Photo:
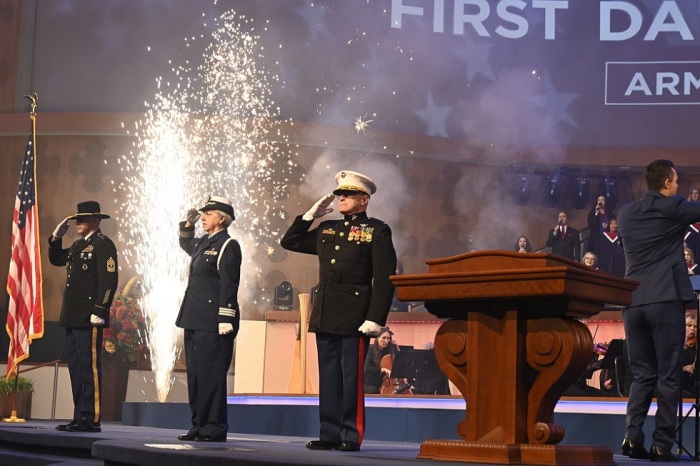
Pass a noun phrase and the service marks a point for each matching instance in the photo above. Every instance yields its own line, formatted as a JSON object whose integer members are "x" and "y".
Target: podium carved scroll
{"x": 512, "y": 344}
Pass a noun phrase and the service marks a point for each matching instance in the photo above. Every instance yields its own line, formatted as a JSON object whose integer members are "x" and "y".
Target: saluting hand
{"x": 320, "y": 208}
{"x": 61, "y": 229}
{"x": 192, "y": 216}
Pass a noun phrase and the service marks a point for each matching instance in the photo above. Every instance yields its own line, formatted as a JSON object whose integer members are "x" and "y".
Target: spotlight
{"x": 552, "y": 190}
{"x": 608, "y": 188}
{"x": 284, "y": 296}
{"x": 580, "y": 192}
{"x": 520, "y": 188}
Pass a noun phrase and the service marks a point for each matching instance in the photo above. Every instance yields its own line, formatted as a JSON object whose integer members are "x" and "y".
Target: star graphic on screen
{"x": 556, "y": 104}
{"x": 477, "y": 58}
{"x": 434, "y": 117}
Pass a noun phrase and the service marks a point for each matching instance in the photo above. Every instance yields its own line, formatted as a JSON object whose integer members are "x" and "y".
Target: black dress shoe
{"x": 85, "y": 425}
{"x": 349, "y": 446}
{"x": 210, "y": 438}
{"x": 65, "y": 427}
{"x": 659, "y": 454}
{"x": 322, "y": 445}
{"x": 634, "y": 450}
{"x": 187, "y": 436}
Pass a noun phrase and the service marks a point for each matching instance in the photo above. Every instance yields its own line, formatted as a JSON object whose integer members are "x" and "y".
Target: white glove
{"x": 320, "y": 208}
{"x": 369, "y": 328}
{"x": 225, "y": 328}
{"x": 61, "y": 229}
{"x": 96, "y": 320}
{"x": 192, "y": 216}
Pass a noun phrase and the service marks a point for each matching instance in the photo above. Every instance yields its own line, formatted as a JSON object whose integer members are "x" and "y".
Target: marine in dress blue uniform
{"x": 356, "y": 257}
{"x": 651, "y": 230}
{"x": 90, "y": 286}
{"x": 210, "y": 316}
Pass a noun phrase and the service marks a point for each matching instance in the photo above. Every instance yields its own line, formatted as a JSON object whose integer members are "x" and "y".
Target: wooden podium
{"x": 512, "y": 346}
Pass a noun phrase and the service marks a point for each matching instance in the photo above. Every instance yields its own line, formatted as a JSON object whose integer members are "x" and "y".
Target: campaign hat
{"x": 88, "y": 209}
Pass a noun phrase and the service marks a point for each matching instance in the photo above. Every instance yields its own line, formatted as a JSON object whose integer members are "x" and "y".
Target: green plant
{"x": 24, "y": 385}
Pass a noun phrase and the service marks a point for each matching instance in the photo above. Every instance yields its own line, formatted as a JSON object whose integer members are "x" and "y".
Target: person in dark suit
{"x": 651, "y": 230}
{"x": 90, "y": 287}
{"x": 210, "y": 316}
{"x": 356, "y": 257}
{"x": 564, "y": 240}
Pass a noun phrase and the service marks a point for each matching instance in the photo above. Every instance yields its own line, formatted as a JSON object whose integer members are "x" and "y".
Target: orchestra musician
{"x": 377, "y": 373}
{"x": 690, "y": 353}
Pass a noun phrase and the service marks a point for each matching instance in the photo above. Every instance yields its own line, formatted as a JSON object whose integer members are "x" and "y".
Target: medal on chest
{"x": 361, "y": 233}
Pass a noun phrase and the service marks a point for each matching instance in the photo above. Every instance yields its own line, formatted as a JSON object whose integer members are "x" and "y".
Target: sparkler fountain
{"x": 207, "y": 133}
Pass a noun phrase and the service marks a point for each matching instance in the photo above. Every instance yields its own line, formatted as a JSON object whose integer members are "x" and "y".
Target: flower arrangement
{"x": 126, "y": 335}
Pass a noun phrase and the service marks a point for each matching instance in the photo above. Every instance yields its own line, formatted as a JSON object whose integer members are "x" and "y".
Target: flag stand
{"x": 13, "y": 417}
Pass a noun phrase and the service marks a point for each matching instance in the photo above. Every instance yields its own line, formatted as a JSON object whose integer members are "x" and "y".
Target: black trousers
{"x": 341, "y": 397}
{"x": 208, "y": 358}
{"x": 655, "y": 336}
{"x": 84, "y": 357}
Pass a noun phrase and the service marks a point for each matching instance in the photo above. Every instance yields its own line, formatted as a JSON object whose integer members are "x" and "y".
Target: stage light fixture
{"x": 552, "y": 190}
{"x": 520, "y": 188}
{"x": 284, "y": 296}
{"x": 608, "y": 188}
{"x": 580, "y": 193}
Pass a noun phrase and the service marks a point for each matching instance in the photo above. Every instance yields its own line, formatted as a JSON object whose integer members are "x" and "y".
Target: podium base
{"x": 522, "y": 453}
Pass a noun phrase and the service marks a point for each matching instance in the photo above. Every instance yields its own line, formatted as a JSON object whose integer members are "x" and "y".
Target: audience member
{"x": 598, "y": 222}
{"x": 611, "y": 257}
{"x": 523, "y": 245}
{"x": 694, "y": 195}
{"x": 564, "y": 240}
{"x": 690, "y": 260}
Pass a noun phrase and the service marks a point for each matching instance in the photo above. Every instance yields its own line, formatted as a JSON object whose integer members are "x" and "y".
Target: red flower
{"x": 127, "y": 328}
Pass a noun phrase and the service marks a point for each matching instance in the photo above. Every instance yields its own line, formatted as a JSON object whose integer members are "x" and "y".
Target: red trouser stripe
{"x": 361, "y": 388}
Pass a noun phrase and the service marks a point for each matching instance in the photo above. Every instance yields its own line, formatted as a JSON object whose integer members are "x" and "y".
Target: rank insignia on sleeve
{"x": 111, "y": 265}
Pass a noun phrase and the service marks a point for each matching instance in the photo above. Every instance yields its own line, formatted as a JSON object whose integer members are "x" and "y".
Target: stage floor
{"x": 37, "y": 442}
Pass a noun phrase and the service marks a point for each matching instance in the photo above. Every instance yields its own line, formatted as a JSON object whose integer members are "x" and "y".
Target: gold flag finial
{"x": 34, "y": 99}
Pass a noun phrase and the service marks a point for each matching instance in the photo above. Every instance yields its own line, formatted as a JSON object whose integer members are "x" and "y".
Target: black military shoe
{"x": 85, "y": 425}
{"x": 322, "y": 445}
{"x": 349, "y": 446}
{"x": 634, "y": 450}
{"x": 659, "y": 454}
{"x": 186, "y": 436}
{"x": 65, "y": 427}
{"x": 210, "y": 438}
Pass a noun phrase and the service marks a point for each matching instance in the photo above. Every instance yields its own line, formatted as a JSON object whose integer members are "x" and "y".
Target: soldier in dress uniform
{"x": 210, "y": 316}
{"x": 356, "y": 257}
{"x": 90, "y": 287}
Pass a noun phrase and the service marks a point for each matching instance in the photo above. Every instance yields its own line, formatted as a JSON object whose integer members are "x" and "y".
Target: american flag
{"x": 25, "y": 317}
